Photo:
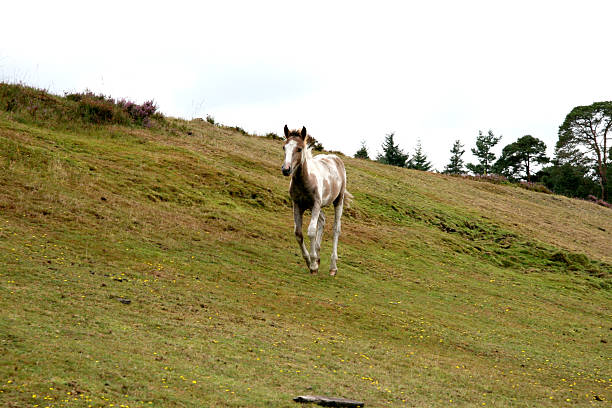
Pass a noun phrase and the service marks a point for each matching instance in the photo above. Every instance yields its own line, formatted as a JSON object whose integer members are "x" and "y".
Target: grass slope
{"x": 450, "y": 292}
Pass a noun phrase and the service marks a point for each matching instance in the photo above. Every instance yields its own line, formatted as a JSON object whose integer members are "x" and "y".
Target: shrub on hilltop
{"x": 105, "y": 109}
{"x": 28, "y": 104}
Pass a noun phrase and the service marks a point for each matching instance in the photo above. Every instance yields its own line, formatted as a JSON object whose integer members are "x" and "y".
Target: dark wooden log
{"x": 328, "y": 401}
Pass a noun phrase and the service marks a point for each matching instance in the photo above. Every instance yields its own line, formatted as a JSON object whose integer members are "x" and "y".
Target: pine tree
{"x": 484, "y": 144}
{"x": 584, "y": 134}
{"x": 455, "y": 166}
{"x": 391, "y": 153}
{"x": 362, "y": 153}
{"x": 419, "y": 159}
{"x": 519, "y": 157}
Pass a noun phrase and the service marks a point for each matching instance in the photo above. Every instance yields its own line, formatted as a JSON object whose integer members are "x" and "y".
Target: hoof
{"x": 332, "y": 272}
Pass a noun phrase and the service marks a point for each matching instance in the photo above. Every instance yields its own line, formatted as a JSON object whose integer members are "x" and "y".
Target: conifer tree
{"x": 391, "y": 153}
{"x": 455, "y": 166}
{"x": 585, "y": 134}
{"x": 520, "y": 157}
{"x": 419, "y": 159}
{"x": 484, "y": 144}
{"x": 362, "y": 153}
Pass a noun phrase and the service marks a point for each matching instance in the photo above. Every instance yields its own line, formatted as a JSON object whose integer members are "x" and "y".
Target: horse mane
{"x": 307, "y": 152}
{"x": 294, "y": 133}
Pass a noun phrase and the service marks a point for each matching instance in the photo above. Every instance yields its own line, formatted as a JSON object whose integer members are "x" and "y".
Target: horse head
{"x": 295, "y": 143}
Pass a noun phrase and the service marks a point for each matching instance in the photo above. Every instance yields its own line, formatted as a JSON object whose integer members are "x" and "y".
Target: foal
{"x": 315, "y": 182}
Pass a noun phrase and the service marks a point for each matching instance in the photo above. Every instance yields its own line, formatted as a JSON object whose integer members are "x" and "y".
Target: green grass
{"x": 450, "y": 292}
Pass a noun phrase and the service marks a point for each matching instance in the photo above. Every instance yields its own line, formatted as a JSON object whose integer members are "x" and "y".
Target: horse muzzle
{"x": 286, "y": 170}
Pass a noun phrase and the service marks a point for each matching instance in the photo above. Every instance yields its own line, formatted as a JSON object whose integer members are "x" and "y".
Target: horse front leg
{"x": 312, "y": 234}
{"x": 297, "y": 219}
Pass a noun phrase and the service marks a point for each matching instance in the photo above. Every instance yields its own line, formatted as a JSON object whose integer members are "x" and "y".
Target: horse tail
{"x": 348, "y": 198}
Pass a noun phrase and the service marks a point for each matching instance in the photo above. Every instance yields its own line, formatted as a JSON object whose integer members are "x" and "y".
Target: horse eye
{"x": 299, "y": 149}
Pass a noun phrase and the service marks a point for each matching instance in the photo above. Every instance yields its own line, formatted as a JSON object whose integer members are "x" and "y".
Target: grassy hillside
{"x": 449, "y": 292}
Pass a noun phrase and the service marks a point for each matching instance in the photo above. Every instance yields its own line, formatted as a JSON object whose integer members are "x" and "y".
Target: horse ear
{"x": 286, "y": 131}
{"x": 303, "y": 133}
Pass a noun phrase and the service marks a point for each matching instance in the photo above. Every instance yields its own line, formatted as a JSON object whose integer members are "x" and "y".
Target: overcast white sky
{"x": 348, "y": 71}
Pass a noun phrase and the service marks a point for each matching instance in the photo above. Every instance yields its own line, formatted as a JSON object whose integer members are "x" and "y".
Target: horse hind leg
{"x": 320, "y": 229}
{"x": 333, "y": 268}
{"x": 312, "y": 234}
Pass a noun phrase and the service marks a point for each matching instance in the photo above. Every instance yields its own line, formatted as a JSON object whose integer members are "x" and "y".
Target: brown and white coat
{"x": 316, "y": 182}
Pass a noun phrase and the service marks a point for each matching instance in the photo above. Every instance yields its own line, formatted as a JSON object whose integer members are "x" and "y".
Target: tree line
{"x": 393, "y": 155}
{"x": 581, "y": 165}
